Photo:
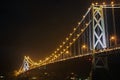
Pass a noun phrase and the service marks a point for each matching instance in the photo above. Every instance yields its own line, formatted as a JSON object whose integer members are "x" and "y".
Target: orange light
{"x": 103, "y": 3}
{"x": 70, "y": 43}
{"x": 67, "y": 46}
{"x": 61, "y": 52}
{"x": 112, "y": 38}
{"x": 74, "y": 39}
{"x": 93, "y": 4}
{"x": 96, "y": 3}
{"x": 70, "y": 34}
{"x": 78, "y": 23}
{"x": 112, "y": 2}
{"x": 63, "y": 42}
{"x": 88, "y": 8}
{"x": 63, "y": 49}
{"x": 86, "y": 24}
{"x": 82, "y": 30}
{"x": 40, "y": 61}
{"x": 60, "y": 46}
{"x": 67, "y": 38}
{"x": 67, "y": 52}
{"x": 84, "y": 46}
{"x": 57, "y": 49}
{"x": 83, "y": 16}
{"x": 74, "y": 29}
{"x": 78, "y": 35}
{"x": 55, "y": 56}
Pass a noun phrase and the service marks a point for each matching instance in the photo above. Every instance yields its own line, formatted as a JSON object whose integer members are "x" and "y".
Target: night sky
{"x": 35, "y": 28}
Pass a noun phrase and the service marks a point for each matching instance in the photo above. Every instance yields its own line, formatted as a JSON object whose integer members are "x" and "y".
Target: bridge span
{"x": 88, "y": 48}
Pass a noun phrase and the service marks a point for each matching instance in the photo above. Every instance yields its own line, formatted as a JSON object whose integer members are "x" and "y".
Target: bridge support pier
{"x": 100, "y": 62}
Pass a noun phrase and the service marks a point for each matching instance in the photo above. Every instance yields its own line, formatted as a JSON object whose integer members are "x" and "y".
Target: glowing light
{"x": 58, "y": 54}
{"x": 70, "y": 34}
{"x": 103, "y": 3}
{"x": 82, "y": 30}
{"x": 112, "y": 3}
{"x": 34, "y": 78}
{"x": 89, "y": 59}
{"x": 112, "y": 38}
{"x": 70, "y": 43}
{"x": 67, "y": 38}
{"x": 60, "y": 46}
{"x": 84, "y": 46}
{"x": 88, "y": 8}
{"x": 45, "y": 73}
{"x": 78, "y": 23}
{"x": 63, "y": 42}
{"x": 74, "y": 29}
{"x": 96, "y": 3}
{"x": 1, "y": 76}
{"x": 63, "y": 49}
{"x": 78, "y": 35}
{"x": 35, "y": 63}
{"x": 74, "y": 39}
{"x": 55, "y": 56}
{"x": 25, "y": 57}
{"x": 46, "y": 58}
{"x": 67, "y": 52}
{"x": 57, "y": 49}
{"x": 40, "y": 61}
{"x": 83, "y": 16}
{"x": 72, "y": 73}
{"x": 67, "y": 46}
{"x": 86, "y": 24}
{"x": 61, "y": 52}
{"x": 92, "y": 4}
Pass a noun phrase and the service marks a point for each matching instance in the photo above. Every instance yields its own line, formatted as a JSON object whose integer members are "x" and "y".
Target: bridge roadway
{"x": 78, "y": 66}
{"x": 61, "y": 70}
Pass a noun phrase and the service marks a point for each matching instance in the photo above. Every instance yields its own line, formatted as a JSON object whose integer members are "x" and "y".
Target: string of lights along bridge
{"x": 91, "y": 36}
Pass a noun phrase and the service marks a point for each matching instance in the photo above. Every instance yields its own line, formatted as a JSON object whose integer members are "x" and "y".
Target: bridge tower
{"x": 25, "y": 64}
{"x": 98, "y": 37}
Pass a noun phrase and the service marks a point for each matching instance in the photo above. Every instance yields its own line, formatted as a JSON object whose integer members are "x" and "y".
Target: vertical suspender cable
{"x": 106, "y": 28}
{"x": 114, "y": 27}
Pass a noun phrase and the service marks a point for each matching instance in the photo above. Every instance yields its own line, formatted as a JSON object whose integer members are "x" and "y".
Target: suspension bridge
{"x": 91, "y": 37}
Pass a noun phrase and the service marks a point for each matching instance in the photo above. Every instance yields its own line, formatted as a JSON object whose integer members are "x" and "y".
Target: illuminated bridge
{"x": 94, "y": 38}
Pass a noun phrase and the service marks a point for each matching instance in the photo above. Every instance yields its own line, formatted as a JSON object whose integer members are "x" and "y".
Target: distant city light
{"x": 1, "y": 77}
{"x": 34, "y": 78}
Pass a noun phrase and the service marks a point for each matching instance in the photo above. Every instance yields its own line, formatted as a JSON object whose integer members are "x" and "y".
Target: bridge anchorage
{"x": 90, "y": 37}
